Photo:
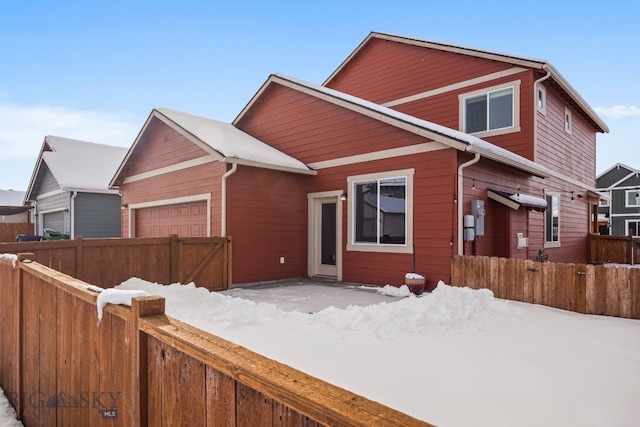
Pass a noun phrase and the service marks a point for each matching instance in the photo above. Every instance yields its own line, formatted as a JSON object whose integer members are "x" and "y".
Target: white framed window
{"x": 552, "y": 220}
{"x": 541, "y": 99}
{"x": 603, "y": 203}
{"x": 568, "y": 126}
{"x": 632, "y": 198}
{"x": 491, "y": 111}
{"x": 380, "y": 212}
{"x": 632, "y": 227}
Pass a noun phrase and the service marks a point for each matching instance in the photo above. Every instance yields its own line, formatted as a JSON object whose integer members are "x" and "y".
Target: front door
{"x": 325, "y": 235}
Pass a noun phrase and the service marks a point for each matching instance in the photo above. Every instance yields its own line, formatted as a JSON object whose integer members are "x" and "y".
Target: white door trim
{"x": 313, "y": 258}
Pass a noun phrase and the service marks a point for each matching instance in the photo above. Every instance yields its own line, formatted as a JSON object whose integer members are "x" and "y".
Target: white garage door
{"x": 185, "y": 220}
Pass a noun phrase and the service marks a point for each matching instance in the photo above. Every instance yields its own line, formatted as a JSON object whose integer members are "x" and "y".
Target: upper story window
{"x": 552, "y": 220}
{"x": 632, "y": 198}
{"x": 381, "y": 212}
{"x": 491, "y": 111}
{"x": 541, "y": 100}
{"x": 567, "y": 120}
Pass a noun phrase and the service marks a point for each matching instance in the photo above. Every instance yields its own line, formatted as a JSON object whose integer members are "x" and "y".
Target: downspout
{"x": 73, "y": 214}
{"x": 223, "y": 202}
{"x": 535, "y": 109}
{"x": 460, "y": 199}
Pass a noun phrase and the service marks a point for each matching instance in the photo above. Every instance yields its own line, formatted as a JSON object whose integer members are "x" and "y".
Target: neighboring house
{"x": 373, "y": 172}
{"x": 12, "y": 207}
{"x": 70, "y": 190}
{"x": 621, "y": 209}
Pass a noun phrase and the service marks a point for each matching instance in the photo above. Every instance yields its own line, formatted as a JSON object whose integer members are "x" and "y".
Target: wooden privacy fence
{"x": 9, "y": 230}
{"x": 613, "y": 249}
{"x": 108, "y": 262}
{"x": 139, "y": 367}
{"x": 588, "y": 289}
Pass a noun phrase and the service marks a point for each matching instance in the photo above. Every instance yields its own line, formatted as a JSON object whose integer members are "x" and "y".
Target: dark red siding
{"x": 267, "y": 219}
{"x": 162, "y": 146}
{"x": 387, "y": 71}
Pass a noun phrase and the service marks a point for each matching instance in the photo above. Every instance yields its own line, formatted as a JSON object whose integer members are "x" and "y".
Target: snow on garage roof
{"x": 232, "y": 144}
{"x": 78, "y": 165}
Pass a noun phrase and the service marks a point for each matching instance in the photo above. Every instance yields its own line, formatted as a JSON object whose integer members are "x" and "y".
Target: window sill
{"x": 396, "y": 249}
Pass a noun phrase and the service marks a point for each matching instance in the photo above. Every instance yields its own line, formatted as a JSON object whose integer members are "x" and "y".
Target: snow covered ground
{"x": 454, "y": 357}
{"x": 7, "y": 413}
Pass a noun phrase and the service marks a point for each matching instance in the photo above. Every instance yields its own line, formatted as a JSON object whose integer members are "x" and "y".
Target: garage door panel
{"x": 186, "y": 220}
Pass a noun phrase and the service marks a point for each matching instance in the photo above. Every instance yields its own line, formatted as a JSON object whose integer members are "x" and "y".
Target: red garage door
{"x": 185, "y": 220}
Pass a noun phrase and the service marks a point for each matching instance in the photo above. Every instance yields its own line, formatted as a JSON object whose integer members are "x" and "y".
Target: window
{"x": 632, "y": 227}
{"x": 380, "y": 212}
{"x": 632, "y": 198}
{"x": 491, "y": 111}
{"x": 552, "y": 220}
{"x": 541, "y": 100}
{"x": 567, "y": 120}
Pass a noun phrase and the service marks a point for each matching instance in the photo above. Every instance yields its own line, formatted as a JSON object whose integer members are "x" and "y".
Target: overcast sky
{"x": 95, "y": 70}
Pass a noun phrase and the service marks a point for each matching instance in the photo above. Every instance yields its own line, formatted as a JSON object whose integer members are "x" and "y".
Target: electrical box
{"x": 468, "y": 221}
{"x": 478, "y": 212}
{"x": 469, "y": 235}
{"x": 523, "y": 242}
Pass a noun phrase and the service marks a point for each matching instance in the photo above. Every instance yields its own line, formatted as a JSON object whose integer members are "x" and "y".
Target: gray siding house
{"x": 69, "y": 188}
{"x": 622, "y": 212}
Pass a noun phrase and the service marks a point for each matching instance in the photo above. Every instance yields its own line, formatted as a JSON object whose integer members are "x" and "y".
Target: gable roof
{"x": 77, "y": 165}
{"x": 447, "y": 136}
{"x": 222, "y": 140}
{"x": 619, "y": 174}
{"x": 537, "y": 64}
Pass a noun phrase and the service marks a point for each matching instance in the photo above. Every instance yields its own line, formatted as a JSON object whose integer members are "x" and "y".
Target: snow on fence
{"x": 139, "y": 367}
{"x": 109, "y": 262}
{"x": 583, "y": 288}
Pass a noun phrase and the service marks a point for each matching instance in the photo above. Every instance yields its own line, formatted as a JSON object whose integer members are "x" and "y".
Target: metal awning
{"x": 13, "y": 210}
{"x": 516, "y": 200}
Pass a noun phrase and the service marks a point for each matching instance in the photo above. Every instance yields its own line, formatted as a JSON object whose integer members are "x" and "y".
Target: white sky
{"x": 94, "y": 70}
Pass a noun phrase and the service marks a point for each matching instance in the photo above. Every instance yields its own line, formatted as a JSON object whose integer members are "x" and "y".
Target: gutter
{"x": 223, "y": 201}
{"x": 461, "y": 168}
{"x": 73, "y": 214}
{"x": 535, "y": 109}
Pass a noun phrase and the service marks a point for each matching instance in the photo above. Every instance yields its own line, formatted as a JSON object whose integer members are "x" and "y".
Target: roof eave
{"x": 539, "y": 64}
{"x": 269, "y": 166}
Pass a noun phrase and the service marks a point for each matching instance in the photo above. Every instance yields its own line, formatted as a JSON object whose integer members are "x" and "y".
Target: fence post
{"x": 79, "y": 266}
{"x": 19, "y": 356}
{"x": 141, "y": 307}
{"x": 174, "y": 258}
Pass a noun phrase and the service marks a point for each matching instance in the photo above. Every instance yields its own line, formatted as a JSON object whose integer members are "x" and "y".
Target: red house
{"x": 410, "y": 152}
